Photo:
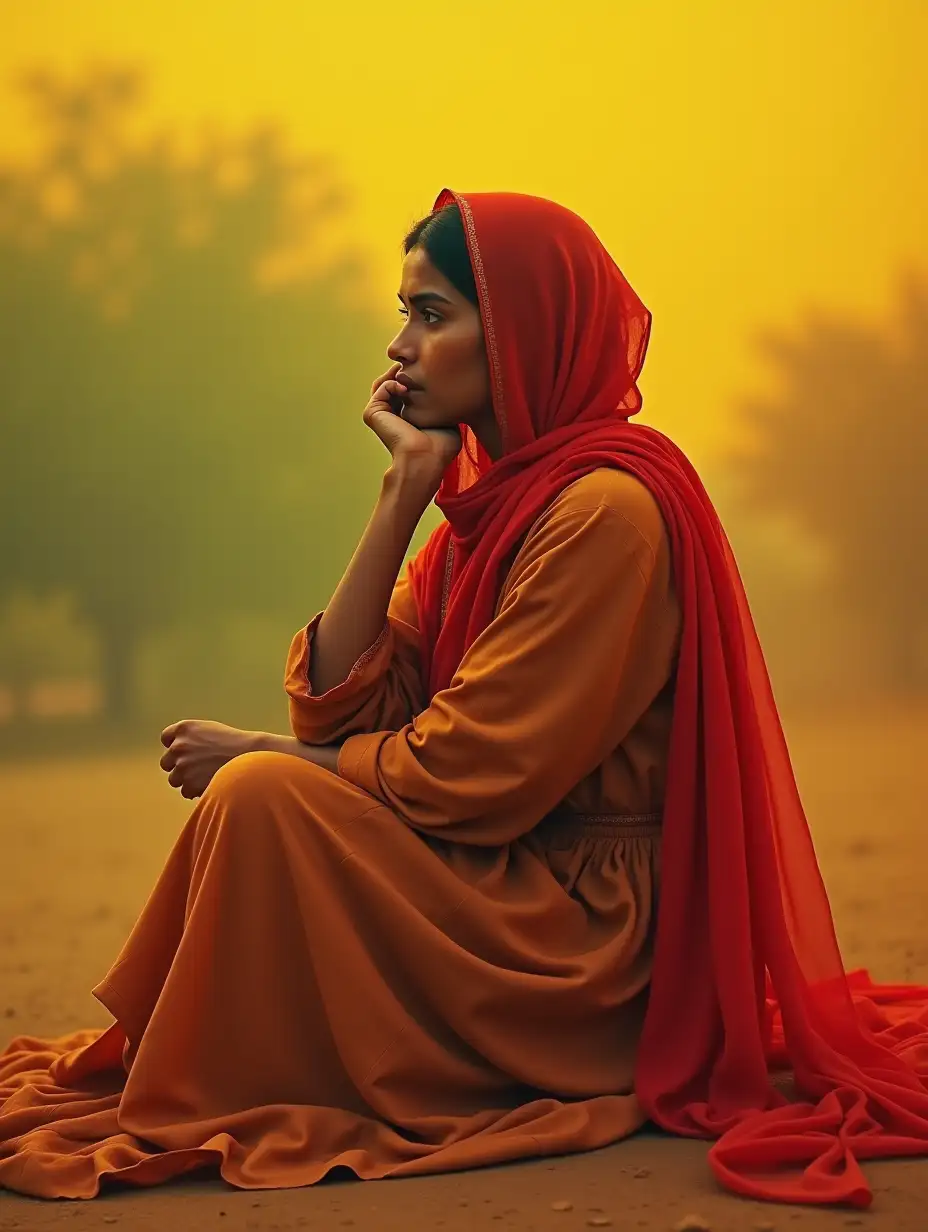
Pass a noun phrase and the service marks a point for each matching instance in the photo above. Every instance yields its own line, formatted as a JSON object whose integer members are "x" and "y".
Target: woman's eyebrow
{"x": 425, "y": 297}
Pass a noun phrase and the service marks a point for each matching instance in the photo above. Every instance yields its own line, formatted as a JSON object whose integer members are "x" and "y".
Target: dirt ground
{"x": 81, "y": 843}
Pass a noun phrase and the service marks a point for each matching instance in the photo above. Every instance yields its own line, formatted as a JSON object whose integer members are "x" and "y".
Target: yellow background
{"x": 743, "y": 162}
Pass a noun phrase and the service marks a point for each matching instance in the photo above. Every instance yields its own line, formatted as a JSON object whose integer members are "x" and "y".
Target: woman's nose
{"x": 400, "y": 350}
{"x": 396, "y": 351}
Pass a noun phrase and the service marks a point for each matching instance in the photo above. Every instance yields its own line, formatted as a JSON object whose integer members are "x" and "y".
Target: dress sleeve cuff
{"x": 357, "y": 760}
{"x": 298, "y": 685}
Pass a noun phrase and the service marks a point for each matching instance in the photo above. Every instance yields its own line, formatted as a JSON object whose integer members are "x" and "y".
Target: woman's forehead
{"x": 419, "y": 276}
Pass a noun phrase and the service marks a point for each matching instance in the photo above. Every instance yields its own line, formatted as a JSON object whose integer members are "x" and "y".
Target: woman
{"x": 425, "y": 934}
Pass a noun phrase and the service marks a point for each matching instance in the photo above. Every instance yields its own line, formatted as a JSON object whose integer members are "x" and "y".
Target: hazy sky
{"x": 743, "y": 161}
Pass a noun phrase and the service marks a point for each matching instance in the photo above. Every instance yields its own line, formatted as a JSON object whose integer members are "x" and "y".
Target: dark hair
{"x": 442, "y": 236}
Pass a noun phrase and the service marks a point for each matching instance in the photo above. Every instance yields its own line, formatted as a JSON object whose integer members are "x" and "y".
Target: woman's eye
{"x": 426, "y": 312}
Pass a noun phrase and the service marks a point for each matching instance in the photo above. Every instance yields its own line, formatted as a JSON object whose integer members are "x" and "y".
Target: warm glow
{"x": 743, "y": 162}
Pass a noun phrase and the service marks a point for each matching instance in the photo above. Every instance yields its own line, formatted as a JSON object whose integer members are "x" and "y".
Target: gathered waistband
{"x": 571, "y": 825}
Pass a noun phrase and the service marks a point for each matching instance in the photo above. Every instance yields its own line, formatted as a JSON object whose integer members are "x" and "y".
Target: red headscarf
{"x": 747, "y": 976}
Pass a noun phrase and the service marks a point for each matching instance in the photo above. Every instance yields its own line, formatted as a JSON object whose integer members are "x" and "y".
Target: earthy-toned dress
{"x": 438, "y": 958}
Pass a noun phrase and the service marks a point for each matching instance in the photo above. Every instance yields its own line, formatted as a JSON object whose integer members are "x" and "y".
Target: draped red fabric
{"x": 748, "y": 979}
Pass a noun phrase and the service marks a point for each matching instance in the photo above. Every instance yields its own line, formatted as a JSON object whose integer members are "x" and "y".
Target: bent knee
{"x": 258, "y": 778}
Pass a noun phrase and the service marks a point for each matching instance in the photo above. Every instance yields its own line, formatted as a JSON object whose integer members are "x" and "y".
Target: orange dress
{"x": 436, "y": 959}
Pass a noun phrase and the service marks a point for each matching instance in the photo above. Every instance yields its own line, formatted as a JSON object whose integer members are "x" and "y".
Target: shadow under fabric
{"x": 748, "y": 977}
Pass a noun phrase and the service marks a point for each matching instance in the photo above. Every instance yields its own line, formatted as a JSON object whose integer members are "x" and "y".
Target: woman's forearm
{"x": 324, "y": 755}
{"x": 356, "y": 613}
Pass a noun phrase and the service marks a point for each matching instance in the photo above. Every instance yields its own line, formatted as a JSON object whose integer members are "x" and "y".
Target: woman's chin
{"x": 418, "y": 415}
{"x": 428, "y": 415}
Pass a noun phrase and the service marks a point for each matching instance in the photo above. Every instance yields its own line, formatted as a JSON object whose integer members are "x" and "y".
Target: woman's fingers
{"x": 382, "y": 399}
{"x": 170, "y": 732}
{"x": 388, "y": 375}
{"x": 390, "y": 427}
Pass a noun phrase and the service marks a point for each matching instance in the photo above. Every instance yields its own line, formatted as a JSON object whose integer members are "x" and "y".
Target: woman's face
{"x": 441, "y": 348}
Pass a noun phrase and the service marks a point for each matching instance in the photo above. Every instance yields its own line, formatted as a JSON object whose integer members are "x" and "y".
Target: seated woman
{"x": 533, "y": 868}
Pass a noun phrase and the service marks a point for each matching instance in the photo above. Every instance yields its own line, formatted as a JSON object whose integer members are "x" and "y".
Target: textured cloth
{"x": 745, "y": 936}
{"x": 326, "y": 973}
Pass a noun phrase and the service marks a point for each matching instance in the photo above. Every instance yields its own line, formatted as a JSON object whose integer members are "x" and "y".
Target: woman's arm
{"x": 383, "y": 689}
{"x": 583, "y": 642}
{"x": 357, "y": 611}
{"x": 324, "y": 755}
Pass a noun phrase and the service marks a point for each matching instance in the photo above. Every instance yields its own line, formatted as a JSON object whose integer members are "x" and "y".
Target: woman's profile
{"x": 532, "y": 869}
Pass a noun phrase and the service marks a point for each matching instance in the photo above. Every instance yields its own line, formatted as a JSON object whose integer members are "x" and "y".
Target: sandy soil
{"x": 82, "y": 842}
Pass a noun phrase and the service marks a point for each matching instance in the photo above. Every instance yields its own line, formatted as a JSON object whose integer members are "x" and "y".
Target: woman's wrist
{"x": 408, "y": 492}
{"x": 324, "y": 755}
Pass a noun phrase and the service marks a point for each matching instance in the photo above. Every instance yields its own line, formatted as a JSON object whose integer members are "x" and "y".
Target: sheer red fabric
{"x": 748, "y": 979}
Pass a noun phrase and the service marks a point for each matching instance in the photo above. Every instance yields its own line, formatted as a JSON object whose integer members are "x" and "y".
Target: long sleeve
{"x": 583, "y": 641}
{"x": 382, "y": 691}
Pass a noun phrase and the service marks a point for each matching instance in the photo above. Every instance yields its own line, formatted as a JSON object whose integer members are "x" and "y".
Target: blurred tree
{"x": 841, "y": 452}
{"x": 38, "y": 637}
{"x": 175, "y": 332}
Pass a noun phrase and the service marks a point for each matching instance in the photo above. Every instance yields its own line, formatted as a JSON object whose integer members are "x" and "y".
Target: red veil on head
{"x": 747, "y": 978}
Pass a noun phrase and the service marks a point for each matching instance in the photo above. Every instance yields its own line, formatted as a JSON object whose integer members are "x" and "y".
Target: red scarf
{"x": 747, "y": 977}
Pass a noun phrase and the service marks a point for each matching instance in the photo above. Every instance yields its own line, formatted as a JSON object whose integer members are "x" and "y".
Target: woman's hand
{"x": 420, "y": 455}
{"x": 197, "y": 748}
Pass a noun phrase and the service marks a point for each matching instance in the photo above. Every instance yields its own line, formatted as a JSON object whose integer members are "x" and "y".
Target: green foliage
{"x": 180, "y": 439}
{"x": 43, "y": 635}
